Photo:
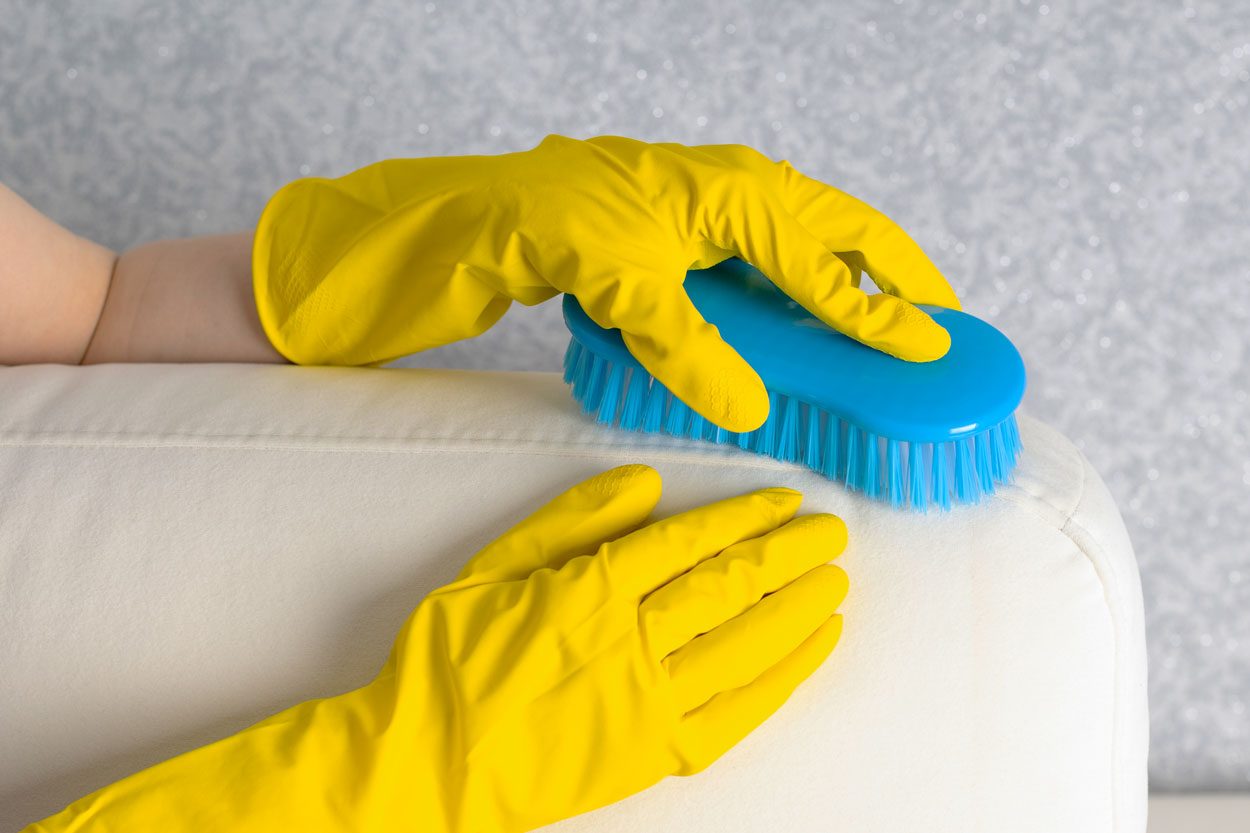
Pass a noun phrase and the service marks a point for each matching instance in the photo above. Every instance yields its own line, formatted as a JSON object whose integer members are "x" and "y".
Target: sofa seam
{"x": 696, "y": 453}
{"x": 1070, "y": 526}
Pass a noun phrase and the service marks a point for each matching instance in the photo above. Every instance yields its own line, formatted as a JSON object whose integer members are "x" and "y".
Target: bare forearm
{"x": 186, "y": 300}
{"x": 67, "y": 300}
{"x": 52, "y": 286}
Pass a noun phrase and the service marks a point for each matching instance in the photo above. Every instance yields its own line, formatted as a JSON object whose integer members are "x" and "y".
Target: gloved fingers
{"x": 663, "y": 330}
{"x": 756, "y": 223}
{"x": 894, "y": 261}
{"x": 712, "y": 729}
{"x": 726, "y": 585}
{"x": 854, "y": 264}
{"x": 735, "y": 653}
{"x": 845, "y": 225}
{"x": 656, "y": 554}
{"x": 882, "y": 321}
{"x": 576, "y": 522}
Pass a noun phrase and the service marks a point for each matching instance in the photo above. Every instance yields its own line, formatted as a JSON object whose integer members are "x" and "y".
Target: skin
{"x": 71, "y": 301}
{"x": 53, "y": 284}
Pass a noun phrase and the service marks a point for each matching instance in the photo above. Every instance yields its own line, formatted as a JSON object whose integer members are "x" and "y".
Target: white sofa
{"x": 186, "y": 549}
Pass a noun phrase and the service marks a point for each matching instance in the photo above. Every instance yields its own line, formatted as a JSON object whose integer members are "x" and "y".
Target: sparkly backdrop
{"x": 1081, "y": 173}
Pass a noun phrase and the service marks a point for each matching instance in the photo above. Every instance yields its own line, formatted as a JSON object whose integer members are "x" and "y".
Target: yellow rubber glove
{"x": 556, "y": 674}
{"x": 409, "y": 254}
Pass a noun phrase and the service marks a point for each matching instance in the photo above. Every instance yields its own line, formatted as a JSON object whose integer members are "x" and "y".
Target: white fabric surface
{"x": 186, "y": 549}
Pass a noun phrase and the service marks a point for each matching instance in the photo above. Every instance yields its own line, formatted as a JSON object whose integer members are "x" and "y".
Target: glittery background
{"x": 1080, "y": 172}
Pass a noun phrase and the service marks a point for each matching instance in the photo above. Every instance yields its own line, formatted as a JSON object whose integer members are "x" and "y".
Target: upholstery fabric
{"x": 186, "y": 549}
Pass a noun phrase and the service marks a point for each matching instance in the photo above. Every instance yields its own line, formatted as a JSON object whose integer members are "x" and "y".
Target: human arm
{"x": 52, "y": 286}
{"x": 182, "y": 300}
{"x": 577, "y": 659}
{"x": 67, "y": 300}
{"x": 407, "y": 254}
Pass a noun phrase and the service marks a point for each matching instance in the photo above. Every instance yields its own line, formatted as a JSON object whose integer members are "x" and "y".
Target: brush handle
{"x": 978, "y": 384}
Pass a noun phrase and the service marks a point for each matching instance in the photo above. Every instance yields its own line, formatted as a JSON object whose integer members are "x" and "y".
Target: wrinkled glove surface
{"x": 558, "y": 673}
{"x": 408, "y": 254}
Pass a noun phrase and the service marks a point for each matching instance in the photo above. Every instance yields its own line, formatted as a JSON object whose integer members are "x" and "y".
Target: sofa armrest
{"x": 186, "y": 549}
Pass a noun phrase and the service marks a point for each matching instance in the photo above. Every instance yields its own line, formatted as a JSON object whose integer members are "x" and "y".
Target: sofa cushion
{"x": 186, "y": 549}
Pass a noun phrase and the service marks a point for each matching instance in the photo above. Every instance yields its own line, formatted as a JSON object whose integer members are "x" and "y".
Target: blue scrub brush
{"x": 912, "y": 433}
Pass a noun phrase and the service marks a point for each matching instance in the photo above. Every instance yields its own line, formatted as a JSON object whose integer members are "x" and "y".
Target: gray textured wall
{"x": 1082, "y": 175}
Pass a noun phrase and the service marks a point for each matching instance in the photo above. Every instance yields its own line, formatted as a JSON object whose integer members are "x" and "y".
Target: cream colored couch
{"x": 185, "y": 549}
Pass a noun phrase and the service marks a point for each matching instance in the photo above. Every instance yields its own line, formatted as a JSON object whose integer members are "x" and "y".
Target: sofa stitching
{"x": 697, "y": 452}
{"x": 1072, "y": 528}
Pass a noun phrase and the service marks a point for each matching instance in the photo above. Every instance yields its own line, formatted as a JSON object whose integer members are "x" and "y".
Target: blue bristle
{"x": 965, "y": 473}
{"x": 998, "y": 455}
{"x": 678, "y": 417}
{"x": 894, "y": 474}
{"x": 765, "y": 440}
{"x": 581, "y": 373}
{"x": 653, "y": 411}
{"x": 941, "y": 494}
{"x": 571, "y": 357}
{"x": 613, "y": 387}
{"x": 872, "y": 453}
{"x": 1011, "y": 439}
{"x": 635, "y": 399}
{"x": 985, "y": 458}
{"x": 852, "y": 457}
{"x": 811, "y": 439}
{"x": 916, "y": 471}
{"x": 593, "y": 390}
{"x": 961, "y": 470}
{"x": 788, "y": 435}
{"x": 695, "y": 426}
{"x": 1000, "y": 462}
{"x": 830, "y": 457}
{"x": 1009, "y": 452}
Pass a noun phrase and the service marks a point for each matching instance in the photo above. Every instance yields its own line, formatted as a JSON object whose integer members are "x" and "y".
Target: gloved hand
{"x": 408, "y": 254}
{"x": 556, "y": 674}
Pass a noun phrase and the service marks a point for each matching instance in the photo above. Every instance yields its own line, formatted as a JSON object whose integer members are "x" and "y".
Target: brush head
{"x": 842, "y": 408}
